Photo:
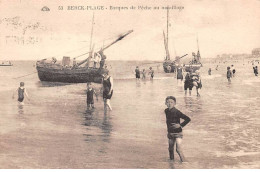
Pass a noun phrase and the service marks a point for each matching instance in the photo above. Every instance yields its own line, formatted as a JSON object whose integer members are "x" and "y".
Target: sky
{"x": 221, "y": 26}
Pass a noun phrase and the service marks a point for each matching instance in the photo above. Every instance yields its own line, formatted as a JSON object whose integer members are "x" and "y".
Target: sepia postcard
{"x": 129, "y": 84}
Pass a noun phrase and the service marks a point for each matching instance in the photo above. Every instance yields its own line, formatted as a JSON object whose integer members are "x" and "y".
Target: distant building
{"x": 256, "y": 52}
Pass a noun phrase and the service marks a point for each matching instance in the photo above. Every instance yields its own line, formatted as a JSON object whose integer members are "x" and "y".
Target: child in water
{"x": 229, "y": 74}
{"x": 21, "y": 92}
{"x": 174, "y": 127}
{"x": 144, "y": 74}
{"x": 151, "y": 73}
{"x": 197, "y": 81}
{"x": 209, "y": 71}
{"x": 179, "y": 74}
{"x": 90, "y": 93}
{"x": 255, "y": 70}
{"x": 137, "y": 73}
{"x": 188, "y": 83}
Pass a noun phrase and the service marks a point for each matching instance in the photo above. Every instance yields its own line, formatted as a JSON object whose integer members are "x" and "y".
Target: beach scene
{"x": 55, "y": 54}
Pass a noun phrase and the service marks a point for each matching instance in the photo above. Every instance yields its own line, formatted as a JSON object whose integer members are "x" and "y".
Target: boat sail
{"x": 169, "y": 65}
{"x": 195, "y": 63}
{"x": 53, "y": 72}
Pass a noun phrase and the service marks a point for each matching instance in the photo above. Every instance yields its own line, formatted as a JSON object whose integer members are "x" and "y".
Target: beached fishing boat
{"x": 169, "y": 66}
{"x": 76, "y": 73}
{"x": 6, "y": 63}
{"x": 195, "y": 63}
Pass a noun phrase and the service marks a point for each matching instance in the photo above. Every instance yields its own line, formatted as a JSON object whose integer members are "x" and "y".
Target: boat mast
{"x": 198, "y": 42}
{"x": 198, "y": 53}
{"x": 118, "y": 39}
{"x": 167, "y": 37}
{"x": 167, "y": 25}
{"x": 166, "y": 47}
{"x": 90, "y": 46}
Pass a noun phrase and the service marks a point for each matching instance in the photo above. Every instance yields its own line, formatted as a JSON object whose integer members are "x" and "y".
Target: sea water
{"x": 55, "y": 130}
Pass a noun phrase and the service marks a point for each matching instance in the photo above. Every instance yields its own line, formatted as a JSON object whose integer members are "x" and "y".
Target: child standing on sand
{"x": 90, "y": 93}
{"x": 21, "y": 92}
{"x": 174, "y": 127}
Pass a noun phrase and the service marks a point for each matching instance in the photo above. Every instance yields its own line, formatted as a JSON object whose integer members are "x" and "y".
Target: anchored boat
{"x": 6, "y": 63}
{"x": 76, "y": 73}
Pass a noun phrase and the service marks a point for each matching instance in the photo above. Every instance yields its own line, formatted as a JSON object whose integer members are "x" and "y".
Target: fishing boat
{"x": 76, "y": 73}
{"x": 169, "y": 65}
{"x": 195, "y": 63}
{"x": 6, "y": 63}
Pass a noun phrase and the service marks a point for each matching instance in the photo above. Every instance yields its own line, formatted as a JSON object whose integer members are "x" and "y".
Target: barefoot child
{"x": 174, "y": 127}
{"x": 90, "y": 99}
{"x": 21, "y": 92}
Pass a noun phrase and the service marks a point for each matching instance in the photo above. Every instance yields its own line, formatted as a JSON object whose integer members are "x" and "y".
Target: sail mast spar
{"x": 166, "y": 40}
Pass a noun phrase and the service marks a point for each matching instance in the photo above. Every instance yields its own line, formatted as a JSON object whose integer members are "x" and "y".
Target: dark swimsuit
{"x": 152, "y": 74}
{"x": 137, "y": 73}
{"x": 179, "y": 74}
{"x": 188, "y": 83}
{"x": 20, "y": 94}
{"x": 107, "y": 87}
{"x": 90, "y": 99}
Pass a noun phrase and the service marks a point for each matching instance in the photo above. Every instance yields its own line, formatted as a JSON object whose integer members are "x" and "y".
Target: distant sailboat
{"x": 195, "y": 63}
{"x": 6, "y": 63}
{"x": 169, "y": 65}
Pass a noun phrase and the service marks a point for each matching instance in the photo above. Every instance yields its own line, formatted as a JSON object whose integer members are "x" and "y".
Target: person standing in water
{"x": 188, "y": 83}
{"x": 90, "y": 94}
{"x": 174, "y": 127}
{"x": 137, "y": 73}
{"x": 21, "y": 92}
{"x": 229, "y": 74}
{"x": 255, "y": 70}
{"x": 144, "y": 74}
{"x": 151, "y": 73}
{"x": 107, "y": 89}
{"x": 197, "y": 81}
{"x": 233, "y": 70}
{"x": 179, "y": 74}
{"x": 209, "y": 71}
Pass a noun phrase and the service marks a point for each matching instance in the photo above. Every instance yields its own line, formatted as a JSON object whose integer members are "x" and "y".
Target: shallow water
{"x": 54, "y": 130}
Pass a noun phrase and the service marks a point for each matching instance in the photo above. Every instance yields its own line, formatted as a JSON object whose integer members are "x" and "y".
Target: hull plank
{"x": 68, "y": 75}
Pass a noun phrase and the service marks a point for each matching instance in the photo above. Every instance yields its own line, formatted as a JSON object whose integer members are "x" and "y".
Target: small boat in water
{"x": 6, "y": 63}
{"x": 194, "y": 64}
{"x": 76, "y": 73}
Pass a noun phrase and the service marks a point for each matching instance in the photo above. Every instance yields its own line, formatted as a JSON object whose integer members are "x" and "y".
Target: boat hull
{"x": 192, "y": 67}
{"x": 169, "y": 67}
{"x": 5, "y": 65}
{"x": 69, "y": 75}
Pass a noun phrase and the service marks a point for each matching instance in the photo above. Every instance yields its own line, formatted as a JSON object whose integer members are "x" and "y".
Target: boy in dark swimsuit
{"x": 229, "y": 74}
{"x": 174, "y": 127}
{"x": 90, "y": 93}
{"x": 137, "y": 73}
{"x": 21, "y": 92}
